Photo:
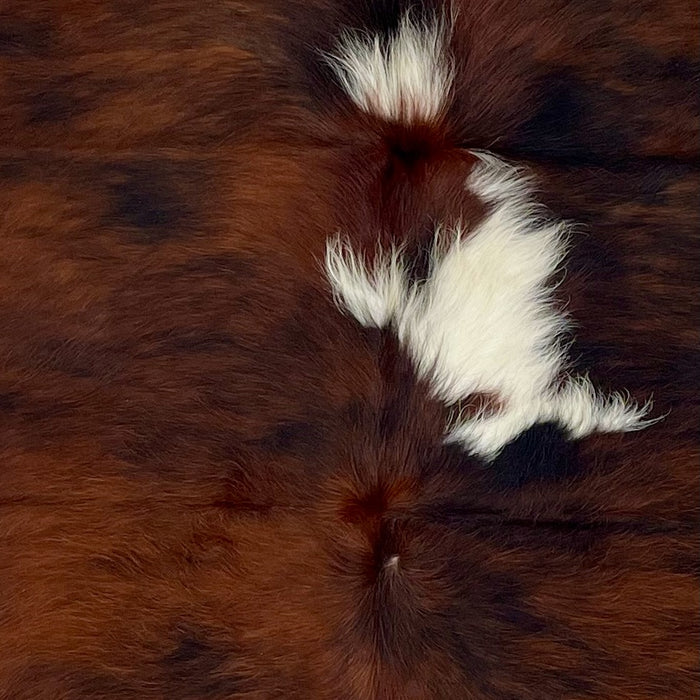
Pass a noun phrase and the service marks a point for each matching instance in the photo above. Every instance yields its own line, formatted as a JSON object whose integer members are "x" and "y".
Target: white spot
{"x": 577, "y": 407}
{"x": 392, "y": 563}
{"x": 405, "y": 79}
{"x": 372, "y": 297}
{"x": 485, "y": 320}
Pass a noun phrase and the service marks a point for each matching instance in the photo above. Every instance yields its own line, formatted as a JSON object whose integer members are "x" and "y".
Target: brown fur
{"x": 206, "y": 471}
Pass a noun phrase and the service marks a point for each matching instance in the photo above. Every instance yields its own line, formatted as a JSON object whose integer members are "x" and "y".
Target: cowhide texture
{"x": 349, "y": 350}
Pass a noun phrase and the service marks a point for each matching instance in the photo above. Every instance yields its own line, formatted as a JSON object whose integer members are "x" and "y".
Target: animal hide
{"x": 349, "y": 350}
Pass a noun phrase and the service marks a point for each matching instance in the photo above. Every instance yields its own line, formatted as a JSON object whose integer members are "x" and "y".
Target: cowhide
{"x": 349, "y": 350}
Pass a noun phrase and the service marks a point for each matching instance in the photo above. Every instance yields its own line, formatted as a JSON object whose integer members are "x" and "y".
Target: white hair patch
{"x": 406, "y": 78}
{"x": 485, "y": 320}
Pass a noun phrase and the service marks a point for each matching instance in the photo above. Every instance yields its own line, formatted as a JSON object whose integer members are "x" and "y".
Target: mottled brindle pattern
{"x": 205, "y": 469}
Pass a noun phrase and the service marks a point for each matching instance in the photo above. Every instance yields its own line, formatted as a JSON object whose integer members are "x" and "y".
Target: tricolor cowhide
{"x": 349, "y": 350}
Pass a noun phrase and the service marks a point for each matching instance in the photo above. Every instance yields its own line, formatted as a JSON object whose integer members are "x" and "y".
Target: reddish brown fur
{"x": 206, "y": 470}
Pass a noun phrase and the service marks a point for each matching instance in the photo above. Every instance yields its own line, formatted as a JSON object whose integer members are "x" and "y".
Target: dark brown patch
{"x": 56, "y": 100}
{"x": 20, "y": 37}
{"x": 9, "y": 401}
{"x": 540, "y": 454}
{"x": 153, "y": 200}
{"x": 566, "y": 129}
{"x": 196, "y": 668}
{"x": 300, "y": 438}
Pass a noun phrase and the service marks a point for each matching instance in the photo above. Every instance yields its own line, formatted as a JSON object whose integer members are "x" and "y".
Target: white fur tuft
{"x": 372, "y": 297}
{"x": 577, "y": 407}
{"x": 485, "y": 320}
{"x": 405, "y": 79}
